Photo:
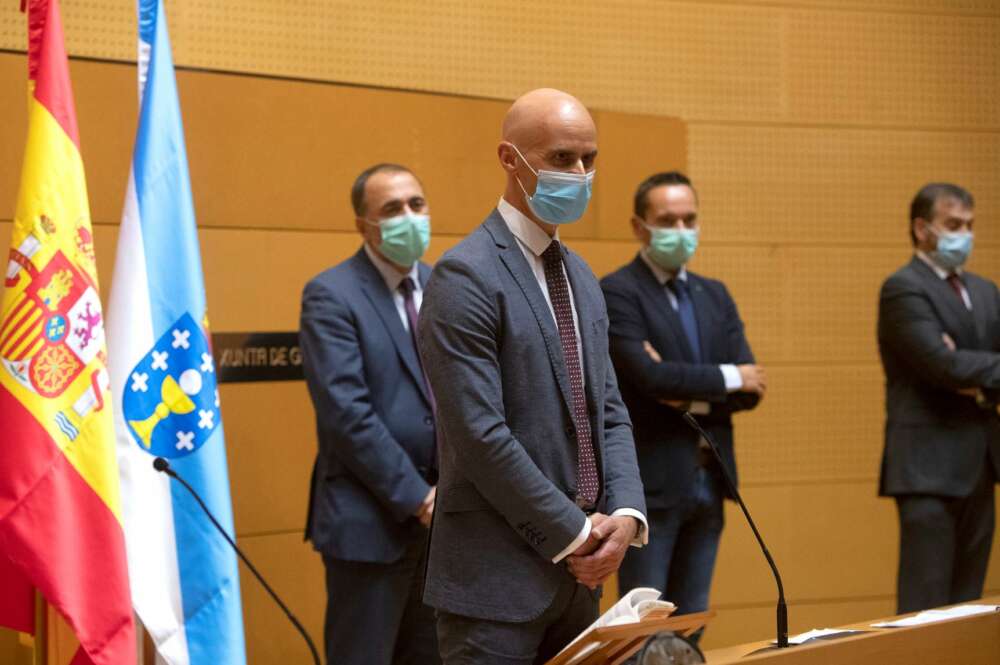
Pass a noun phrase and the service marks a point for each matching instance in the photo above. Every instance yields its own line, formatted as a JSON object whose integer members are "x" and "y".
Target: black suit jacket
{"x": 373, "y": 416}
{"x": 640, "y": 310}
{"x": 936, "y": 440}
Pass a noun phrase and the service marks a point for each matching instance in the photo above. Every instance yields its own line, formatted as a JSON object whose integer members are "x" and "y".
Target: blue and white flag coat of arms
{"x": 184, "y": 577}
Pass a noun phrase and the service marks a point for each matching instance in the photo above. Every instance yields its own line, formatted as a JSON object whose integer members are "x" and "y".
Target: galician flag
{"x": 60, "y": 509}
{"x": 185, "y": 584}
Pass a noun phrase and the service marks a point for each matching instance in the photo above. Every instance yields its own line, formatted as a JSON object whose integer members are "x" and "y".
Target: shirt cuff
{"x": 642, "y": 534}
{"x": 731, "y": 375}
{"x": 579, "y": 540}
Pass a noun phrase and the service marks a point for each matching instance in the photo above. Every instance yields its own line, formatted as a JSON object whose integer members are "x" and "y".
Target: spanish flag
{"x": 60, "y": 511}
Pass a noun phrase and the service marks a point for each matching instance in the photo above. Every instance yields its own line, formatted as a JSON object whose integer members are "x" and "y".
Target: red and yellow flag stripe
{"x": 60, "y": 510}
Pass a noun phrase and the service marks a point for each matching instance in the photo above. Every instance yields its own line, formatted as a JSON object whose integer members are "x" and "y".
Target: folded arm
{"x": 910, "y": 327}
{"x": 658, "y": 380}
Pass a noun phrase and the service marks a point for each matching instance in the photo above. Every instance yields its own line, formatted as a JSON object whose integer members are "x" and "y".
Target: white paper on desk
{"x": 816, "y": 632}
{"x": 931, "y": 616}
{"x": 632, "y": 607}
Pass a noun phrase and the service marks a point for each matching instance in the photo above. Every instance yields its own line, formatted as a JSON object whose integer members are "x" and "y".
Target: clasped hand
{"x": 601, "y": 554}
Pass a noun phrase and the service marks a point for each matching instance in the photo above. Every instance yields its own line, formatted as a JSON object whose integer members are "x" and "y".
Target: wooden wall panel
{"x": 840, "y": 187}
{"x": 276, "y": 154}
{"x": 295, "y": 572}
{"x": 927, "y": 7}
{"x": 898, "y": 69}
{"x": 912, "y": 63}
{"x": 804, "y": 525}
{"x": 806, "y": 125}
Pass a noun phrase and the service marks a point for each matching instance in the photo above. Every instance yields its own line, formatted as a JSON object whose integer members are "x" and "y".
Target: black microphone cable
{"x": 163, "y": 466}
{"x": 782, "y": 610}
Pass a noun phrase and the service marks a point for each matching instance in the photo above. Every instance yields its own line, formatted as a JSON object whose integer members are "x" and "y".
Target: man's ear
{"x": 366, "y": 231}
{"x": 921, "y": 230}
{"x": 507, "y": 156}
{"x": 640, "y": 232}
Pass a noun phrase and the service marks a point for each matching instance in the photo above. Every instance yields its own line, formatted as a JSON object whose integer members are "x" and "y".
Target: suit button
{"x": 428, "y": 420}
{"x": 570, "y": 431}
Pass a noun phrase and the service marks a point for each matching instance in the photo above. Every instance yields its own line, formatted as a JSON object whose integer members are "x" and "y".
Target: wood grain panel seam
{"x": 781, "y": 124}
{"x": 718, "y": 244}
{"x": 691, "y": 121}
{"x": 850, "y": 9}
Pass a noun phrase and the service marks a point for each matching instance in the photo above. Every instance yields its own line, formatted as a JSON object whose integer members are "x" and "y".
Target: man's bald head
{"x": 553, "y": 132}
{"x": 541, "y": 113}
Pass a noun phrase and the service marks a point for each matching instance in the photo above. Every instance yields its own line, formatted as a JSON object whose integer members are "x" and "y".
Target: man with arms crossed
{"x": 939, "y": 336}
{"x": 372, "y": 492}
{"x": 678, "y": 345}
{"x": 540, "y": 493}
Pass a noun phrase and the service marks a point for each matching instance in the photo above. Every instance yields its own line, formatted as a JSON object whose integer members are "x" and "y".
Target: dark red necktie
{"x": 956, "y": 284}
{"x": 407, "y": 287}
{"x": 587, "y": 483}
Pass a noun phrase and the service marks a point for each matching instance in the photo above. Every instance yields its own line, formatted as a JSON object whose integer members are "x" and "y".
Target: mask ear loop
{"x": 518, "y": 151}
{"x": 516, "y": 177}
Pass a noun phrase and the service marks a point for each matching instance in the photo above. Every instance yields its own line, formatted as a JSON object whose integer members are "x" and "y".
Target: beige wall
{"x": 807, "y": 127}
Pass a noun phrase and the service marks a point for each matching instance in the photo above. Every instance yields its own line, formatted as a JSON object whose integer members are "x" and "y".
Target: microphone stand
{"x": 782, "y": 610}
{"x": 163, "y": 466}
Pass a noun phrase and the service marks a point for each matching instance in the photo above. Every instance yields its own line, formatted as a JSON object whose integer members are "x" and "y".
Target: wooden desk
{"x": 971, "y": 640}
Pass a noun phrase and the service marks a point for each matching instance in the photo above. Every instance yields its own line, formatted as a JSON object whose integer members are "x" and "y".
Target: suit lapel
{"x": 517, "y": 265}
{"x": 588, "y": 314}
{"x": 702, "y": 310}
{"x": 980, "y": 311}
{"x": 654, "y": 292}
{"x": 423, "y": 274}
{"x": 947, "y": 302}
{"x": 378, "y": 294}
{"x": 587, "y": 298}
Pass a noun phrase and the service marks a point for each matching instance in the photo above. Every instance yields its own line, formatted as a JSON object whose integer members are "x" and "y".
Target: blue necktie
{"x": 686, "y": 311}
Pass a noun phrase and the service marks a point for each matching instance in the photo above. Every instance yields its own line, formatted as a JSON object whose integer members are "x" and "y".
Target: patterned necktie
{"x": 685, "y": 309}
{"x": 956, "y": 284}
{"x": 407, "y": 287}
{"x": 587, "y": 483}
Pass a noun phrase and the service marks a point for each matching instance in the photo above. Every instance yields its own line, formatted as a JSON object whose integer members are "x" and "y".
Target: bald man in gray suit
{"x": 539, "y": 495}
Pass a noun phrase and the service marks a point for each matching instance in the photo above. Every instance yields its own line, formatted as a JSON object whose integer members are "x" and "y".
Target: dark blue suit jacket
{"x": 373, "y": 416}
{"x": 640, "y": 310}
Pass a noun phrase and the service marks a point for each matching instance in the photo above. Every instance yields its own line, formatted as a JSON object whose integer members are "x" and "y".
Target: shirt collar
{"x": 938, "y": 270}
{"x": 661, "y": 275}
{"x": 525, "y": 230}
{"x": 393, "y": 278}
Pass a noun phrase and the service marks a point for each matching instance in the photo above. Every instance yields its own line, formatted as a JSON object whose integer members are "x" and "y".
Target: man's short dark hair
{"x": 358, "y": 188}
{"x": 923, "y": 203}
{"x": 641, "y": 201}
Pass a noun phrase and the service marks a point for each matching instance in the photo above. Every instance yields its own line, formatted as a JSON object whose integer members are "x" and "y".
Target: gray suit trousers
{"x": 469, "y": 641}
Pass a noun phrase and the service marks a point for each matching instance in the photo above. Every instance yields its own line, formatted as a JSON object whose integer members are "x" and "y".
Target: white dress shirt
{"x": 943, "y": 274}
{"x": 533, "y": 241}
{"x": 393, "y": 278}
{"x": 730, "y": 374}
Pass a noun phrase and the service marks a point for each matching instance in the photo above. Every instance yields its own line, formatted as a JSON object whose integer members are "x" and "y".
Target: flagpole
{"x": 40, "y": 651}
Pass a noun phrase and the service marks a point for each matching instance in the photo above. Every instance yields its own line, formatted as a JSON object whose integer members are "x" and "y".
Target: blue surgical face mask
{"x": 404, "y": 237}
{"x": 953, "y": 248}
{"x": 560, "y": 197}
{"x": 671, "y": 248}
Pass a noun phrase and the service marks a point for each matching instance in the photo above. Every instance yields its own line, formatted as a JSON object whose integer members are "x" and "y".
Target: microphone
{"x": 782, "y": 611}
{"x": 163, "y": 466}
